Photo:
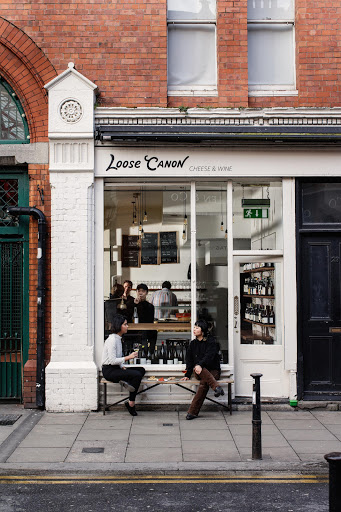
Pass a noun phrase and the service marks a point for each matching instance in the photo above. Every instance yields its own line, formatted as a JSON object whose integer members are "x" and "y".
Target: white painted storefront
{"x": 80, "y": 170}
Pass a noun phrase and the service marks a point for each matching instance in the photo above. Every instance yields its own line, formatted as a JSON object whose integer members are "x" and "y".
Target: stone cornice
{"x": 218, "y": 117}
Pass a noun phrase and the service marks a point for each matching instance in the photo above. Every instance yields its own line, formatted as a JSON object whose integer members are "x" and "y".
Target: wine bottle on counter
{"x": 162, "y": 354}
{"x": 170, "y": 354}
{"x": 155, "y": 358}
{"x": 136, "y": 316}
{"x": 149, "y": 355}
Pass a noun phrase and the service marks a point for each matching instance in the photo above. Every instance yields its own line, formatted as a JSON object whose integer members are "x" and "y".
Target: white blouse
{"x": 112, "y": 352}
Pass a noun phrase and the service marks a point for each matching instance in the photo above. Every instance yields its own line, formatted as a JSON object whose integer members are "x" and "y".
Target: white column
{"x": 71, "y": 375}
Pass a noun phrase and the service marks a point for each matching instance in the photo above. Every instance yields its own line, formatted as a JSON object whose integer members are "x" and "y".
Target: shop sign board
{"x": 187, "y": 162}
{"x": 256, "y": 213}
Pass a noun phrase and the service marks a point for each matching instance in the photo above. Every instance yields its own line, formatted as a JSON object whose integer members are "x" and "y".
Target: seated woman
{"x": 203, "y": 358}
{"x": 112, "y": 363}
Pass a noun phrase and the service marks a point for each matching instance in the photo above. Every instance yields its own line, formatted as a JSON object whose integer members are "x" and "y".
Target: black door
{"x": 320, "y": 319}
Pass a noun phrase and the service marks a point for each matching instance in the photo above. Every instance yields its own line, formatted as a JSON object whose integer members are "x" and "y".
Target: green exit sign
{"x": 256, "y": 213}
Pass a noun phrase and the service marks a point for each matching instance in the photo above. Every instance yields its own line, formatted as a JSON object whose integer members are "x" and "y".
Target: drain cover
{"x": 167, "y": 424}
{"x": 9, "y": 419}
{"x": 93, "y": 450}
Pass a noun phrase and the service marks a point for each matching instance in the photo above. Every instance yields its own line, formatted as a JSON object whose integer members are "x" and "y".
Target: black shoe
{"x": 131, "y": 410}
{"x": 219, "y": 391}
{"x": 191, "y": 416}
{"x": 128, "y": 386}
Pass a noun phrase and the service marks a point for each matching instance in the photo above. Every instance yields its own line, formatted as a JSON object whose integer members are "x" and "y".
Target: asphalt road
{"x": 148, "y": 493}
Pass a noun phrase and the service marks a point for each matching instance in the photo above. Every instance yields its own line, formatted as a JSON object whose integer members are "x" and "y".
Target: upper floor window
{"x": 13, "y": 125}
{"x": 271, "y": 59}
{"x": 192, "y": 61}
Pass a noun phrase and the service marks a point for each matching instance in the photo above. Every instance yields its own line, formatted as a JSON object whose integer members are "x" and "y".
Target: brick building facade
{"x": 121, "y": 47}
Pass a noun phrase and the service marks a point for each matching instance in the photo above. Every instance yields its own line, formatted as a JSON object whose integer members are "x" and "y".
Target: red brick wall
{"x": 122, "y": 47}
{"x": 26, "y": 69}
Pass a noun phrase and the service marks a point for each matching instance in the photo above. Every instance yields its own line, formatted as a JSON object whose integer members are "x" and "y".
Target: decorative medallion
{"x": 71, "y": 111}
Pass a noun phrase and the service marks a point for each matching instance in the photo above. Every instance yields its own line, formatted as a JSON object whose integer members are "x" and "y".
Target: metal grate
{"x": 11, "y": 119}
{"x": 8, "y": 197}
{"x": 11, "y": 290}
{"x": 9, "y": 419}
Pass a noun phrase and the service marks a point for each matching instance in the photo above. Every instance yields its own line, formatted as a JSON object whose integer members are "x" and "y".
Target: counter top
{"x": 162, "y": 326}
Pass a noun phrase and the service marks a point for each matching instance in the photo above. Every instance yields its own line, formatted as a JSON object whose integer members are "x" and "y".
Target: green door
{"x": 14, "y": 336}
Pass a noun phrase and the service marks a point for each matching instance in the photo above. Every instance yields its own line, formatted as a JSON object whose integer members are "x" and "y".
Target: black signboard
{"x": 149, "y": 249}
{"x": 169, "y": 247}
{"x": 131, "y": 251}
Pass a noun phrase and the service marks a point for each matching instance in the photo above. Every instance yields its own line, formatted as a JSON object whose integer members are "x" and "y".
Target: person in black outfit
{"x": 145, "y": 312}
{"x": 202, "y": 359}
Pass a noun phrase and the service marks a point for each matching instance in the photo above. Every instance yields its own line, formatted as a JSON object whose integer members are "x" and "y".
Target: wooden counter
{"x": 162, "y": 327}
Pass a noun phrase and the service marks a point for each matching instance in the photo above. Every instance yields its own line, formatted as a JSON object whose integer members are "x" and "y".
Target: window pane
{"x": 260, "y": 293}
{"x": 321, "y": 203}
{"x": 191, "y": 55}
{"x": 270, "y": 55}
{"x": 270, "y": 9}
{"x": 11, "y": 122}
{"x": 191, "y": 10}
{"x": 211, "y": 244}
{"x": 159, "y": 253}
{"x": 251, "y": 232}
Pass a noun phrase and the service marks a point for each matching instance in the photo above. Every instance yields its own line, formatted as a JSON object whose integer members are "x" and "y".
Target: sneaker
{"x": 131, "y": 410}
{"x": 128, "y": 386}
{"x": 191, "y": 416}
{"x": 219, "y": 391}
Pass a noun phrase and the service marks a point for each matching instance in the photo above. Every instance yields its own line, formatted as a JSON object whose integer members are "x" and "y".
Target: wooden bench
{"x": 150, "y": 384}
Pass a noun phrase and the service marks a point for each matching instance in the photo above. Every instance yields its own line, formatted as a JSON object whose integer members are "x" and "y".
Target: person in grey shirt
{"x": 113, "y": 368}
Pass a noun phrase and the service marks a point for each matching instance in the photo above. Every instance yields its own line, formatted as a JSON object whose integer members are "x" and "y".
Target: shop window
{"x": 271, "y": 61}
{"x": 147, "y": 241}
{"x": 257, "y": 215}
{"x": 192, "y": 62}
{"x": 12, "y": 118}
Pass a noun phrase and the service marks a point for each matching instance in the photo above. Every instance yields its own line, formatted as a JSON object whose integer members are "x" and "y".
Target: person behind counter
{"x": 145, "y": 313}
{"x": 126, "y": 305}
{"x": 164, "y": 298}
{"x": 111, "y": 305}
{"x": 203, "y": 358}
{"x": 113, "y": 368}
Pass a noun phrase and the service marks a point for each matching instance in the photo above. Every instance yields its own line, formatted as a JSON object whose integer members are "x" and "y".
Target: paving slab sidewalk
{"x": 165, "y": 440}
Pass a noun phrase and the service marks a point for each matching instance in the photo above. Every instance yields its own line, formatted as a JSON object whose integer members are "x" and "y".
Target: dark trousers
{"x": 208, "y": 379}
{"x": 133, "y": 376}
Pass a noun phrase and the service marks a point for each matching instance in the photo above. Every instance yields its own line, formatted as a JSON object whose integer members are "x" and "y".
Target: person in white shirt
{"x": 113, "y": 368}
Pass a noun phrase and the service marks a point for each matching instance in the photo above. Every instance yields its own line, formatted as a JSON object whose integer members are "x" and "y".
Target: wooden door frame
{"x": 320, "y": 229}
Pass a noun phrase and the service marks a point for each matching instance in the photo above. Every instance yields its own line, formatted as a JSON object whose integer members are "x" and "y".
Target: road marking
{"x": 157, "y": 479}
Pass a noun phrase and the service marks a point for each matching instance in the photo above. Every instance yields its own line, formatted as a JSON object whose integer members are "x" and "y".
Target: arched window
{"x": 13, "y": 125}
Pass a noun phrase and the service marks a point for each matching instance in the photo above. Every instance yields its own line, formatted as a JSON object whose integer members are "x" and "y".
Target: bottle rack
{"x": 257, "y": 304}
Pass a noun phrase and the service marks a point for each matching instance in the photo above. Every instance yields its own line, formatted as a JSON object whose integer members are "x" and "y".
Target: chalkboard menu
{"x": 131, "y": 251}
{"x": 149, "y": 249}
{"x": 169, "y": 247}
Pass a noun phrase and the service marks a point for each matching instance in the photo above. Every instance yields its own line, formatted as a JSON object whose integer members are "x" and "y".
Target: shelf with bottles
{"x": 249, "y": 268}
{"x": 167, "y": 352}
{"x": 259, "y": 314}
{"x": 259, "y": 296}
{"x": 256, "y": 339}
{"x": 258, "y": 323}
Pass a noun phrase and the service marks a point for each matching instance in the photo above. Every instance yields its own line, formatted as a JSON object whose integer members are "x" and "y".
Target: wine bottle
{"x": 170, "y": 355}
{"x": 149, "y": 355}
{"x": 162, "y": 354}
{"x": 136, "y": 316}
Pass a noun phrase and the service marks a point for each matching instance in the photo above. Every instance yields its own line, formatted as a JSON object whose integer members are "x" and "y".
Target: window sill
{"x": 191, "y": 92}
{"x": 287, "y": 92}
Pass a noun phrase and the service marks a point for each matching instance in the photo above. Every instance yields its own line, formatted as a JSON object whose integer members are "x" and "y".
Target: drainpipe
{"x": 39, "y": 215}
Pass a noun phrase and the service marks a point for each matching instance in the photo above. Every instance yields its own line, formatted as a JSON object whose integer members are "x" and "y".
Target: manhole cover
{"x": 93, "y": 450}
{"x": 167, "y": 424}
{"x": 9, "y": 419}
